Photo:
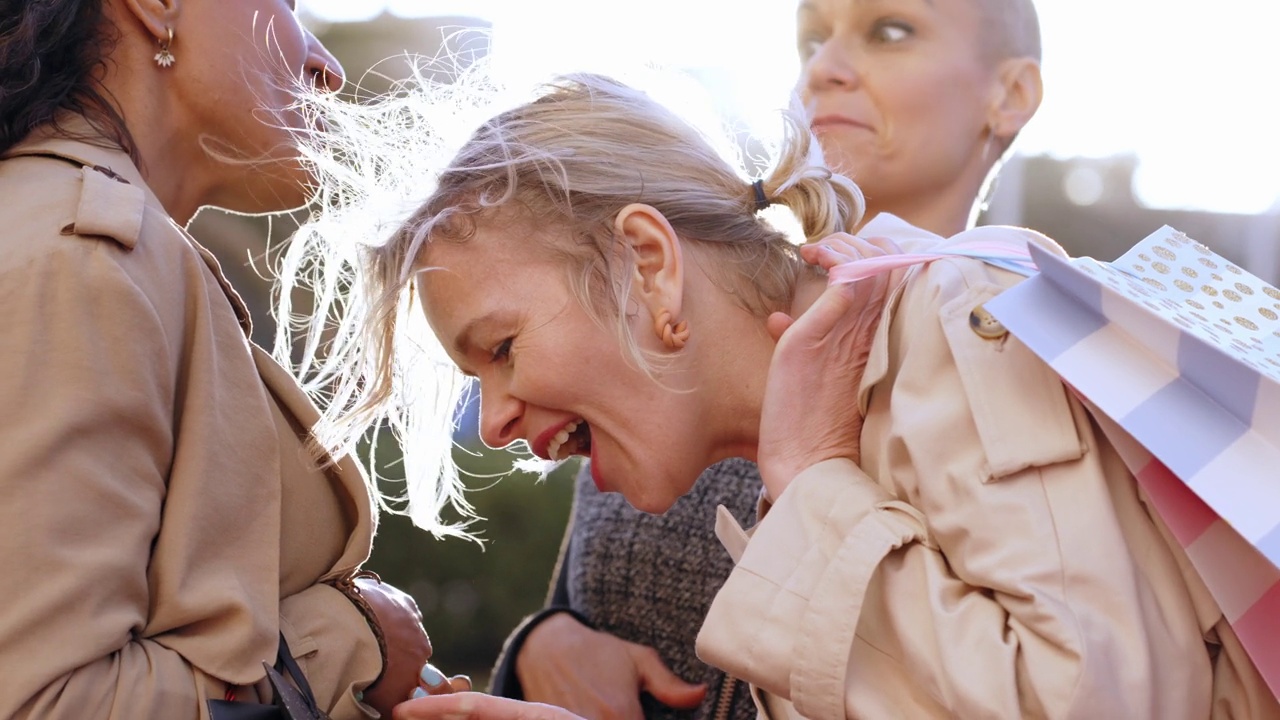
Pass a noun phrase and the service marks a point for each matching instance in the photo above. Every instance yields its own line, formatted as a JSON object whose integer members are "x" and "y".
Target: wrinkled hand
{"x": 594, "y": 674}
{"x": 810, "y": 411}
{"x": 408, "y": 647}
{"x": 477, "y": 706}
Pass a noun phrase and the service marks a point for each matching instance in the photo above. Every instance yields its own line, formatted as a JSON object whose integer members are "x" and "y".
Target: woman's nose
{"x": 500, "y": 416}
{"x": 324, "y": 69}
{"x": 830, "y": 67}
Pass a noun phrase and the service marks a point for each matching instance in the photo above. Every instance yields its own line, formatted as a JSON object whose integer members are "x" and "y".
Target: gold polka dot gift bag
{"x": 1177, "y": 353}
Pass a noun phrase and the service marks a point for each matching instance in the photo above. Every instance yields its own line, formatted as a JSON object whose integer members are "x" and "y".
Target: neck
{"x": 736, "y": 385}
{"x": 809, "y": 287}
{"x": 939, "y": 215}
{"x": 169, "y": 153}
{"x": 943, "y": 211}
{"x": 172, "y": 165}
{"x": 732, "y": 385}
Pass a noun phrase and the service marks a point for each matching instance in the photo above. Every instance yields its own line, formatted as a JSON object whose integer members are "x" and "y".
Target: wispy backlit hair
{"x": 359, "y": 345}
{"x": 564, "y": 164}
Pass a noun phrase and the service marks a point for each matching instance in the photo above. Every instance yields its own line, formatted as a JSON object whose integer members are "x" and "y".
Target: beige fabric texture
{"x": 991, "y": 558}
{"x": 161, "y": 519}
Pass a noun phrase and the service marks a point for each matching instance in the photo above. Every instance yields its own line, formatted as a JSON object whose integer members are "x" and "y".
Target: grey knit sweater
{"x": 650, "y": 579}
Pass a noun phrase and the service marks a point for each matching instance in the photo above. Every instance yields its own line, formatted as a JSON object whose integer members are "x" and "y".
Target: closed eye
{"x": 502, "y": 351}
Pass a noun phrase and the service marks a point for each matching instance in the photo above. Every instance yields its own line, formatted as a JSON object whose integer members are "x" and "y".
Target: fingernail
{"x": 431, "y": 676}
{"x": 417, "y": 693}
{"x": 461, "y": 683}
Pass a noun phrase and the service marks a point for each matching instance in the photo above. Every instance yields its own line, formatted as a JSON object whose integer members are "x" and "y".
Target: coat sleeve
{"x": 334, "y": 646}
{"x": 1001, "y": 578}
{"x": 86, "y": 385}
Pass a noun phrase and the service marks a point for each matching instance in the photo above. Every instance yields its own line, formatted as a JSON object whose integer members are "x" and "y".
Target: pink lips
{"x": 541, "y": 444}
{"x": 833, "y": 120}
{"x": 595, "y": 471}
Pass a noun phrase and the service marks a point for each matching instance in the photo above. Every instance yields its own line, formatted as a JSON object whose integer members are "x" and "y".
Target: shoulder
{"x": 61, "y": 210}
{"x": 41, "y": 196}
{"x": 946, "y": 339}
{"x": 85, "y": 237}
{"x": 959, "y": 275}
{"x": 930, "y": 285}
{"x": 61, "y": 187}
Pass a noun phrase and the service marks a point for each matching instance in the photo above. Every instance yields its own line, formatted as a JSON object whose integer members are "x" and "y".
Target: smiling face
{"x": 238, "y": 66}
{"x": 503, "y": 309}
{"x": 899, "y": 93}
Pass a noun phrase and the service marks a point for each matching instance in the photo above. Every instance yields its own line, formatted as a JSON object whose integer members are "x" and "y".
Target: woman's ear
{"x": 1019, "y": 90}
{"x": 658, "y": 274}
{"x": 157, "y": 16}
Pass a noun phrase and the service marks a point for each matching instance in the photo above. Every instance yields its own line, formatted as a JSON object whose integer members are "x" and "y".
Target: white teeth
{"x": 553, "y": 449}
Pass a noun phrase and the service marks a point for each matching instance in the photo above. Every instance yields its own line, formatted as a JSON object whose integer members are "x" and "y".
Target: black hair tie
{"x": 762, "y": 201}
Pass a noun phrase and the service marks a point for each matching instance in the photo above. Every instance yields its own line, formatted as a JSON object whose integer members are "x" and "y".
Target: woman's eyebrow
{"x": 465, "y": 339}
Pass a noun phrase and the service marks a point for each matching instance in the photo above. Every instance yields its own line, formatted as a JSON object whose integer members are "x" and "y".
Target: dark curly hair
{"x": 49, "y": 52}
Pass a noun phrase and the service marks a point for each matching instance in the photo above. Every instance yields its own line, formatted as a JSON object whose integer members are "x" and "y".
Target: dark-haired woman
{"x": 162, "y": 524}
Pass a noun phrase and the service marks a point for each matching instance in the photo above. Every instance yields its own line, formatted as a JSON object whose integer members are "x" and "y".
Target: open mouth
{"x": 573, "y": 439}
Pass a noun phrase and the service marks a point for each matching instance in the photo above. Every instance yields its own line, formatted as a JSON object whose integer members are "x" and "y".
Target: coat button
{"x": 985, "y": 325}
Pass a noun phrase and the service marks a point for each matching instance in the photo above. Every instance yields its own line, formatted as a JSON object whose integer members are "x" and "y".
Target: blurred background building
{"x": 1156, "y": 112}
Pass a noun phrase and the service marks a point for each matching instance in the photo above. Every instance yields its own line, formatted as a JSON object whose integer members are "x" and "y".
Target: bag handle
{"x": 297, "y": 699}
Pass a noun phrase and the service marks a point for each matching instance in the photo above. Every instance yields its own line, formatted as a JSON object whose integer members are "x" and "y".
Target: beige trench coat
{"x": 160, "y": 519}
{"x": 991, "y": 557}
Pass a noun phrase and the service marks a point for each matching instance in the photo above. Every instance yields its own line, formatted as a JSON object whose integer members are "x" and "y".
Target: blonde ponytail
{"x": 821, "y": 200}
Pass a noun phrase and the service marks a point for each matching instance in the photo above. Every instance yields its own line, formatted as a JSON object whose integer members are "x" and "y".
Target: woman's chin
{"x": 650, "y": 505}
{"x": 656, "y": 499}
{"x": 275, "y": 194}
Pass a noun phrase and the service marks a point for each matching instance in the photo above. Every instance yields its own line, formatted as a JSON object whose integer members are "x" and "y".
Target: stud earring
{"x": 165, "y": 58}
{"x": 673, "y": 337}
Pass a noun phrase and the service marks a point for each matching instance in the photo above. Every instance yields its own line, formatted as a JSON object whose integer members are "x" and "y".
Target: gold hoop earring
{"x": 165, "y": 58}
{"x": 673, "y": 336}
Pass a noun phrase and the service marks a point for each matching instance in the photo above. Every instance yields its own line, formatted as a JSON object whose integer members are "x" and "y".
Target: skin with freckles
{"x": 503, "y": 309}
{"x": 505, "y": 313}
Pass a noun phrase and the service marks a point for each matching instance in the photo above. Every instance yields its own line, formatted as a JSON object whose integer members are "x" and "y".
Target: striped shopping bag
{"x": 1178, "y": 353}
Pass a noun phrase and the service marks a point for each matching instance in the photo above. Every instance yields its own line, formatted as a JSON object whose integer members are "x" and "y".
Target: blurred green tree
{"x": 471, "y": 596}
